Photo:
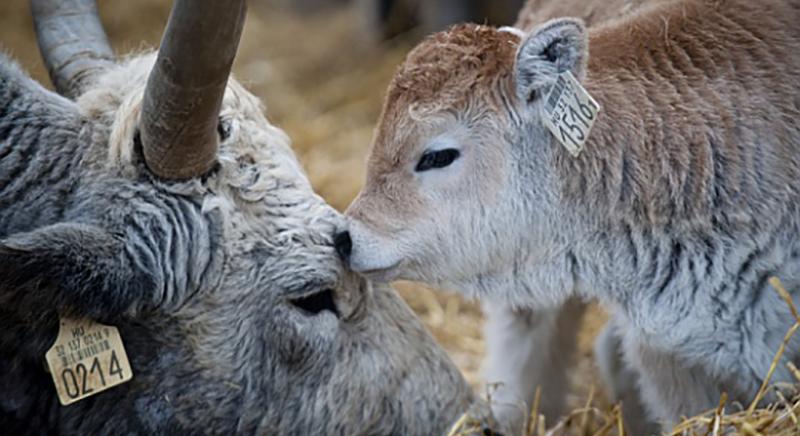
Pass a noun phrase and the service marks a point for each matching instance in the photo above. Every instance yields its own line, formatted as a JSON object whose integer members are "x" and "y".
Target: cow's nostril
{"x": 343, "y": 244}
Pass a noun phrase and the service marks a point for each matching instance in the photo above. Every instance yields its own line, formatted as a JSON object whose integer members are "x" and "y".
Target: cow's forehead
{"x": 114, "y": 102}
{"x": 259, "y": 185}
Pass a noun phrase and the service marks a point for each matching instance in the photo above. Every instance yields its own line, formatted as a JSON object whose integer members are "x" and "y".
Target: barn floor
{"x": 323, "y": 82}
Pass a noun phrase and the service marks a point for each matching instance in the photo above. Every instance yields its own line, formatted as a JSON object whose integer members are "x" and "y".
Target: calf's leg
{"x": 670, "y": 388}
{"x": 525, "y": 349}
{"x": 621, "y": 381}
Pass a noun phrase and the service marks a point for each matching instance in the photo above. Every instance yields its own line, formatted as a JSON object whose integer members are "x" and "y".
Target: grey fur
{"x": 198, "y": 276}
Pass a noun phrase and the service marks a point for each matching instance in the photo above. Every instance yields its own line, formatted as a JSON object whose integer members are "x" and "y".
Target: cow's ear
{"x": 553, "y": 48}
{"x": 76, "y": 269}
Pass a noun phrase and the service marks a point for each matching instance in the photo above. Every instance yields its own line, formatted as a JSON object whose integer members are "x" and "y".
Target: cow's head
{"x": 191, "y": 226}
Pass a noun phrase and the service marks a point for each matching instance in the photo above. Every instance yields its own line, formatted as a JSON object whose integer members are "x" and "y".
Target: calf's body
{"x": 675, "y": 215}
{"x": 530, "y": 349}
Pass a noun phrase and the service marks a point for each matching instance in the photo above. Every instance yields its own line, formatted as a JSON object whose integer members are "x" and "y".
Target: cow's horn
{"x": 72, "y": 42}
{"x": 180, "y": 113}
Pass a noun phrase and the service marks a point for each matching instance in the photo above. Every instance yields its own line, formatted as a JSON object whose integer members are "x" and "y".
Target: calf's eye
{"x": 437, "y": 159}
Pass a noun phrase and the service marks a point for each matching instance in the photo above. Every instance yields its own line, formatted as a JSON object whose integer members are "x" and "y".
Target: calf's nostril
{"x": 343, "y": 244}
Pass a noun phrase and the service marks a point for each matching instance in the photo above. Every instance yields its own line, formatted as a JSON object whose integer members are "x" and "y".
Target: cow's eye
{"x": 437, "y": 159}
{"x": 318, "y": 302}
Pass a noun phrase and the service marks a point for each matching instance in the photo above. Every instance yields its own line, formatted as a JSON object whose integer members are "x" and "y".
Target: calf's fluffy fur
{"x": 682, "y": 205}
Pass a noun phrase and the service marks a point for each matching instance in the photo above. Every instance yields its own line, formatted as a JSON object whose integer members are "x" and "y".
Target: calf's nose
{"x": 343, "y": 244}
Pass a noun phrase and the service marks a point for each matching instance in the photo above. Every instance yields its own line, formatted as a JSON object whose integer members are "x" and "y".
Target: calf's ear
{"x": 75, "y": 269}
{"x": 553, "y": 48}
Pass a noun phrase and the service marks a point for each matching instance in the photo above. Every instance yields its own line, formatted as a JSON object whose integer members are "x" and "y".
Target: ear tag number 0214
{"x": 87, "y": 358}
{"x": 570, "y": 113}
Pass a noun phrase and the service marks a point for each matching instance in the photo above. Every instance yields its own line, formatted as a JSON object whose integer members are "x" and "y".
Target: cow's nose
{"x": 343, "y": 244}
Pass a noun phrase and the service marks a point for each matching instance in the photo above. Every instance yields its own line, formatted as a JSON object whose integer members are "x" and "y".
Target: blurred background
{"x": 321, "y": 67}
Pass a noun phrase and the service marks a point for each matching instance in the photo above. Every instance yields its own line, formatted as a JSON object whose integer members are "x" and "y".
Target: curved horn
{"x": 72, "y": 42}
{"x": 185, "y": 88}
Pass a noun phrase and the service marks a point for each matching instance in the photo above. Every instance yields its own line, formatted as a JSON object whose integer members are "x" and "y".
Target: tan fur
{"x": 638, "y": 66}
{"x": 536, "y": 12}
{"x": 435, "y": 74}
{"x": 432, "y": 81}
{"x": 673, "y": 99}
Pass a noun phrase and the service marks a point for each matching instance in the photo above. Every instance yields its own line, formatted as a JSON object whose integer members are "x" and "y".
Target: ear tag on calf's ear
{"x": 570, "y": 112}
{"x": 87, "y": 358}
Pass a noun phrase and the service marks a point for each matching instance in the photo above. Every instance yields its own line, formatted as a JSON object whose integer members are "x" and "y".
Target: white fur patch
{"x": 512, "y": 30}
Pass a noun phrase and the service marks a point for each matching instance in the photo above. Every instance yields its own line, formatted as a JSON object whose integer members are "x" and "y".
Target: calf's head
{"x": 456, "y": 193}
{"x": 188, "y": 223}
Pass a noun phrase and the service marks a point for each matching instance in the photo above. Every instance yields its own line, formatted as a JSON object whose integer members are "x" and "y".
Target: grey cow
{"x": 177, "y": 213}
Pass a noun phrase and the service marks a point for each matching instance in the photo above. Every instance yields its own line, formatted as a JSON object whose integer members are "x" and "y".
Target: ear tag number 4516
{"x": 570, "y": 112}
{"x": 87, "y": 358}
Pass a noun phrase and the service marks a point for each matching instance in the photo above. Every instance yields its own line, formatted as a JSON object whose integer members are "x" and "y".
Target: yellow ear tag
{"x": 570, "y": 113}
{"x": 87, "y": 358}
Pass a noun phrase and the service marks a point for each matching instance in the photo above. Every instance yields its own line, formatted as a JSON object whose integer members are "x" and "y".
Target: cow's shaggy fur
{"x": 200, "y": 277}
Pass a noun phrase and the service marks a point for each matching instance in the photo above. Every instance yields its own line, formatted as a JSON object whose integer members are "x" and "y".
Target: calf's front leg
{"x": 622, "y": 381}
{"x": 670, "y": 388}
{"x": 528, "y": 348}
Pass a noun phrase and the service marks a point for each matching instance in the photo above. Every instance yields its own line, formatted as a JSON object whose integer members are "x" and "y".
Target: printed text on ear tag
{"x": 570, "y": 112}
{"x": 87, "y": 358}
